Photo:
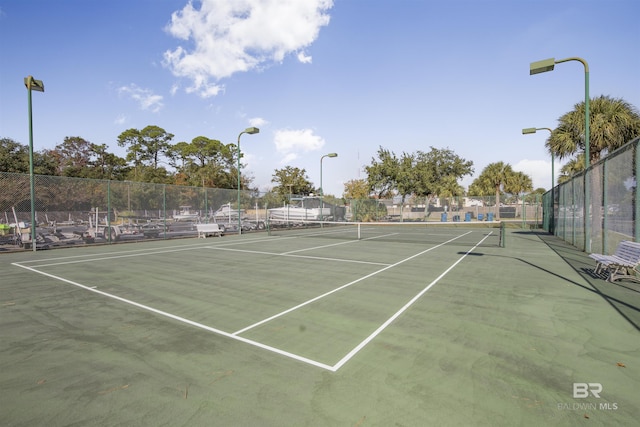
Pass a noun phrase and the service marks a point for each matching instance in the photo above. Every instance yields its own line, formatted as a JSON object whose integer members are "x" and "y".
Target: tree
{"x": 14, "y": 157}
{"x": 535, "y": 196}
{"x": 291, "y": 181}
{"x": 383, "y": 174}
{"x": 356, "y": 189}
{"x": 144, "y": 148}
{"x": 518, "y": 183}
{"x": 108, "y": 165}
{"x": 491, "y": 180}
{"x": 73, "y": 157}
{"x": 206, "y": 162}
{"x": 612, "y": 123}
{"x": 439, "y": 171}
{"x": 450, "y": 188}
{"x": 79, "y": 158}
{"x": 419, "y": 174}
{"x": 572, "y": 167}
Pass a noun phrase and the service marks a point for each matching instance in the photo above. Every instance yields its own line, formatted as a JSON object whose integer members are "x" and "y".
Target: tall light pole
{"x": 250, "y": 131}
{"x": 321, "y": 189}
{"x": 548, "y": 65}
{"x": 553, "y": 199}
{"x": 37, "y": 85}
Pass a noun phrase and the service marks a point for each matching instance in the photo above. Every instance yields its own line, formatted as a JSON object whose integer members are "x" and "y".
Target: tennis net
{"x": 464, "y": 233}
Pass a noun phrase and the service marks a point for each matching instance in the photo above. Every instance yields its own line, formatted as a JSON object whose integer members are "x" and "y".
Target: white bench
{"x": 627, "y": 256}
{"x": 206, "y": 229}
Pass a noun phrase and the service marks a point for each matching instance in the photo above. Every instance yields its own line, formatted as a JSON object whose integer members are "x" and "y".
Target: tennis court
{"x": 333, "y": 325}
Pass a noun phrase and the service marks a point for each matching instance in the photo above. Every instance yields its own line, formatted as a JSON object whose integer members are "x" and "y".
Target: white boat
{"x": 227, "y": 212}
{"x": 304, "y": 209}
{"x": 185, "y": 214}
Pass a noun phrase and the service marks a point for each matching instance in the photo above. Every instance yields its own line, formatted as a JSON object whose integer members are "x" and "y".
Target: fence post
{"x": 206, "y": 209}
{"x": 605, "y": 209}
{"x": 107, "y": 229}
{"x": 636, "y": 208}
{"x": 164, "y": 209}
{"x": 588, "y": 211}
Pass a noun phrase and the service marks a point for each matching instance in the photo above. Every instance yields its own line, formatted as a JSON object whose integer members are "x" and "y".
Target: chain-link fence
{"x": 596, "y": 210}
{"x": 71, "y": 211}
{"x": 468, "y": 208}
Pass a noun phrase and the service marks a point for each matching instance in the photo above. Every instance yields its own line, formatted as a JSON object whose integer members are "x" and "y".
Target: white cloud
{"x": 538, "y": 170}
{"x": 304, "y": 58}
{"x": 145, "y": 98}
{"x": 230, "y": 36}
{"x": 289, "y": 158}
{"x": 120, "y": 120}
{"x": 290, "y": 142}
{"x": 258, "y": 122}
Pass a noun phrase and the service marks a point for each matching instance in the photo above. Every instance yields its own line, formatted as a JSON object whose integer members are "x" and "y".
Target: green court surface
{"x": 446, "y": 328}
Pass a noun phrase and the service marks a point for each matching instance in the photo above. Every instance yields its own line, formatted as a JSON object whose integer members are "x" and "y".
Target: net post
{"x": 502, "y": 234}
{"x": 268, "y": 224}
{"x": 359, "y": 230}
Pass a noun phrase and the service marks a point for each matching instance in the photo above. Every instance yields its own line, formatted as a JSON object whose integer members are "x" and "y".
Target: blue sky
{"x": 316, "y": 76}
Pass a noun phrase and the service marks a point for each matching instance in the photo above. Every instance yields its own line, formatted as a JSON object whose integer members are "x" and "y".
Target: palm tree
{"x": 612, "y": 123}
{"x": 493, "y": 177}
{"x": 518, "y": 183}
{"x": 450, "y": 188}
{"x": 572, "y": 167}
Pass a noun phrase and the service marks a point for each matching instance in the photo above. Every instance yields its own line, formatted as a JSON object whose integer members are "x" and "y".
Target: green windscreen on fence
{"x": 597, "y": 209}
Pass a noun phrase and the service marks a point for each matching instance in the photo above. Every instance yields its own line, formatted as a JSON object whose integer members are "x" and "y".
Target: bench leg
{"x": 617, "y": 273}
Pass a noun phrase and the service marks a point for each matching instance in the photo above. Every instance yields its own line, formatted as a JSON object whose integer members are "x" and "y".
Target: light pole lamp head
{"x": 332, "y": 155}
{"x": 528, "y": 130}
{"x": 251, "y": 130}
{"x": 542, "y": 66}
{"x": 34, "y": 84}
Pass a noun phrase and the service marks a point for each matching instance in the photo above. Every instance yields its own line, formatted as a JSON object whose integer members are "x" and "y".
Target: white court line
{"x": 287, "y": 254}
{"x": 120, "y": 252}
{"x": 290, "y": 253}
{"x": 402, "y": 310}
{"x": 336, "y": 244}
{"x": 132, "y": 253}
{"x": 235, "y": 335}
{"x": 78, "y": 261}
{"x": 275, "y": 316}
{"x": 183, "y": 320}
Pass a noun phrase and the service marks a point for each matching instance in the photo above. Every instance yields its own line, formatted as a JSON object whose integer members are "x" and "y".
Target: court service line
{"x": 275, "y": 316}
{"x": 286, "y": 254}
{"x": 336, "y": 244}
{"x": 183, "y": 320}
{"x": 382, "y": 327}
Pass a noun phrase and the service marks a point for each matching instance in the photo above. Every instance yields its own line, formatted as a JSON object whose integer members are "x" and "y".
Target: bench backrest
{"x": 208, "y": 227}
{"x": 629, "y": 251}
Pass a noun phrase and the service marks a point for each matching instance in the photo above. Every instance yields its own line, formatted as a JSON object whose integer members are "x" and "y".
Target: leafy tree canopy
{"x": 356, "y": 189}
{"x": 419, "y": 174}
{"x": 291, "y": 181}
{"x": 612, "y": 123}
